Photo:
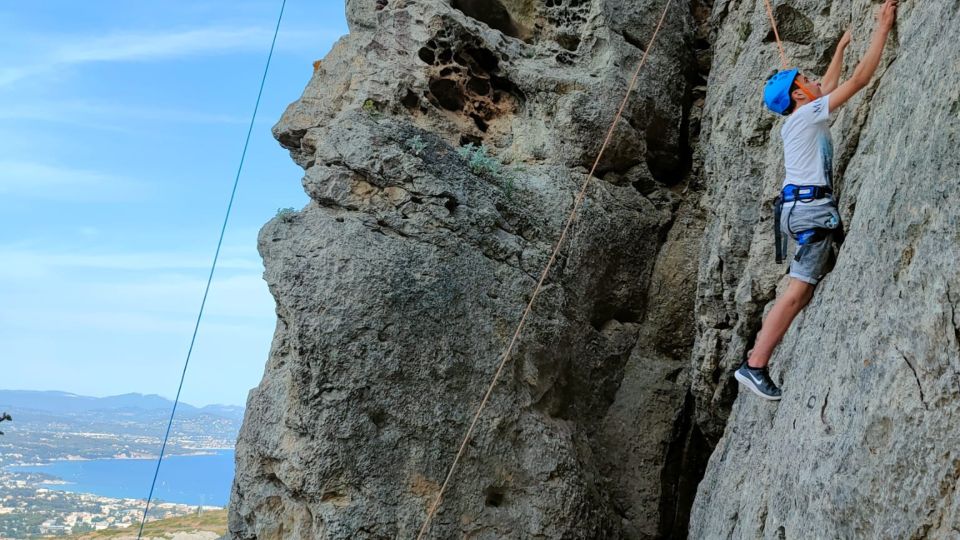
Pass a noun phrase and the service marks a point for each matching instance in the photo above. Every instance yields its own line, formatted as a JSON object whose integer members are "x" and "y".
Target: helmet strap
{"x": 803, "y": 89}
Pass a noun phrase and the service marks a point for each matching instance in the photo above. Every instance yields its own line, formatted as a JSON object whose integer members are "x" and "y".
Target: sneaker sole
{"x": 749, "y": 384}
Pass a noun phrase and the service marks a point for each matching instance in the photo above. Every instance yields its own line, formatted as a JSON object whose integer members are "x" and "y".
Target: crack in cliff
{"x": 915, "y": 377}
{"x": 683, "y": 469}
{"x": 823, "y": 410}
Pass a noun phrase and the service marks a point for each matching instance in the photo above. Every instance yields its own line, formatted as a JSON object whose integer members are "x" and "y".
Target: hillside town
{"x": 28, "y": 511}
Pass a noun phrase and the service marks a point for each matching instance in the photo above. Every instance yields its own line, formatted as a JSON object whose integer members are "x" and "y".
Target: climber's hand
{"x": 887, "y": 14}
{"x": 844, "y": 40}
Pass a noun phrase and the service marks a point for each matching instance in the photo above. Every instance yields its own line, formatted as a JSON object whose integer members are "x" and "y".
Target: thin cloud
{"x": 82, "y": 112}
{"x": 50, "y": 182}
{"x": 69, "y": 51}
{"x": 32, "y": 263}
{"x": 154, "y": 303}
{"x": 140, "y": 46}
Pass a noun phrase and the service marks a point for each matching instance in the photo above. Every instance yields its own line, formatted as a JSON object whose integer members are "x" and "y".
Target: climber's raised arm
{"x": 832, "y": 77}
{"x": 886, "y": 16}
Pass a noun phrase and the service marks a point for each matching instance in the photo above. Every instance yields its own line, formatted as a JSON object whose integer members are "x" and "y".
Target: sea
{"x": 200, "y": 479}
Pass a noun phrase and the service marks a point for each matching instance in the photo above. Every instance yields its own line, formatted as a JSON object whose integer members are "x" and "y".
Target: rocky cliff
{"x": 865, "y": 443}
{"x": 443, "y": 142}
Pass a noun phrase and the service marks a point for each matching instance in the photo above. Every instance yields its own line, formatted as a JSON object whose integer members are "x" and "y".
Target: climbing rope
{"x": 543, "y": 276}
{"x": 213, "y": 267}
{"x": 776, "y": 34}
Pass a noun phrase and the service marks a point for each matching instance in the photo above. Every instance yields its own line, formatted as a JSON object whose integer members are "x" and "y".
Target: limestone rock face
{"x": 865, "y": 443}
{"x": 443, "y": 144}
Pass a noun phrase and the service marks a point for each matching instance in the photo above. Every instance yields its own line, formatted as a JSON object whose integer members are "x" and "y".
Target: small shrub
{"x": 479, "y": 161}
{"x": 286, "y": 214}
{"x": 510, "y": 181}
{"x": 370, "y": 106}
{"x": 483, "y": 164}
{"x": 416, "y": 145}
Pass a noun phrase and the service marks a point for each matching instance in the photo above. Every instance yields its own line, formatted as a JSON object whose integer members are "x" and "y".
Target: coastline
{"x": 199, "y": 452}
{"x": 188, "y": 482}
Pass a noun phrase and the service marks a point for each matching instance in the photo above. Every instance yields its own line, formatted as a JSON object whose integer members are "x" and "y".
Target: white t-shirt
{"x": 808, "y": 147}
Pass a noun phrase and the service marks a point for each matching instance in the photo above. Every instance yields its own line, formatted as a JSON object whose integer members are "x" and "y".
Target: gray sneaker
{"x": 758, "y": 381}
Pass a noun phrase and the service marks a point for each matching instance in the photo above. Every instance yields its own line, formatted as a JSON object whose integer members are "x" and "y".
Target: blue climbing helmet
{"x": 776, "y": 93}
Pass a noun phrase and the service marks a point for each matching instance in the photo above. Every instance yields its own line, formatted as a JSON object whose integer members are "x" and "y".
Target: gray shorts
{"x": 815, "y": 258}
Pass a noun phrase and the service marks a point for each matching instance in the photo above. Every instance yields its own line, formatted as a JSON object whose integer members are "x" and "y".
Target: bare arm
{"x": 868, "y": 64}
{"x": 832, "y": 77}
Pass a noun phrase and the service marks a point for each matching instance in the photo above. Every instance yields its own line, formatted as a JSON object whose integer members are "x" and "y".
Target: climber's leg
{"x": 778, "y": 320}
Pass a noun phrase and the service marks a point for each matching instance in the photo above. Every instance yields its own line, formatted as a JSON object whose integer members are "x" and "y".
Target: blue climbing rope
{"x": 213, "y": 267}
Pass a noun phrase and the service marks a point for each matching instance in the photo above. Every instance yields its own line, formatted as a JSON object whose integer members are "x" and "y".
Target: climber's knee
{"x": 798, "y": 293}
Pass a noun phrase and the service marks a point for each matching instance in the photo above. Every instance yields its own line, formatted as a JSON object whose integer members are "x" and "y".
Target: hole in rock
{"x": 466, "y": 139}
{"x": 451, "y": 204}
{"x": 473, "y": 87}
{"x": 481, "y": 125}
{"x": 493, "y": 497}
{"x": 427, "y": 55}
{"x": 479, "y": 86}
{"x": 378, "y": 417}
{"x": 410, "y": 100}
{"x": 568, "y": 41}
{"x": 490, "y": 12}
{"x": 447, "y": 94}
{"x": 483, "y": 58}
{"x": 565, "y": 59}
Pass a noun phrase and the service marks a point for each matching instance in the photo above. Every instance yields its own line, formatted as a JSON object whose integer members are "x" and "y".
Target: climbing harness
{"x": 213, "y": 267}
{"x": 543, "y": 276}
{"x": 792, "y": 193}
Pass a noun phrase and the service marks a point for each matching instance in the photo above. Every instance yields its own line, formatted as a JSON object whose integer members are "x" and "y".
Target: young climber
{"x": 806, "y": 208}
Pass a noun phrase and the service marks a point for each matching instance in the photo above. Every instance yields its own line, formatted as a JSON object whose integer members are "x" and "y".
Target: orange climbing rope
{"x": 776, "y": 34}
{"x": 543, "y": 277}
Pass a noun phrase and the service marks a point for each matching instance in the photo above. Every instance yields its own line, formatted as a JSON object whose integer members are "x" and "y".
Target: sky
{"x": 121, "y": 129}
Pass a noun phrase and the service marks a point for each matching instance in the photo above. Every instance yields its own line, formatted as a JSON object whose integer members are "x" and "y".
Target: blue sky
{"x": 121, "y": 127}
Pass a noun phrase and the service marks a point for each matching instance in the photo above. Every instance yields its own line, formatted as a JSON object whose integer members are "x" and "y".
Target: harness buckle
{"x": 793, "y": 192}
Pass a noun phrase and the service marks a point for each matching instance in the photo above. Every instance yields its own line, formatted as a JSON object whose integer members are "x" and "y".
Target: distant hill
{"x": 65, "y": 403}
{"x": 58, "y": 425}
